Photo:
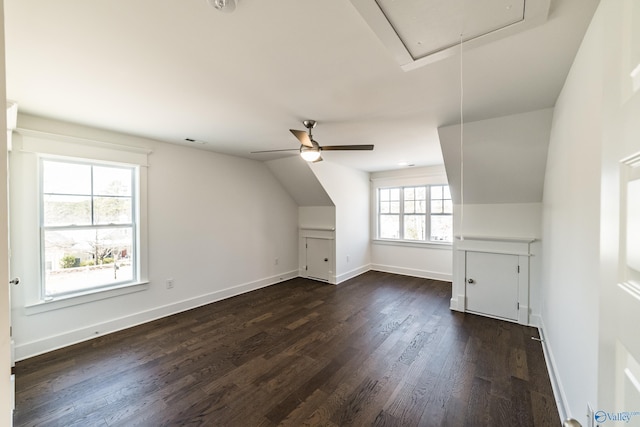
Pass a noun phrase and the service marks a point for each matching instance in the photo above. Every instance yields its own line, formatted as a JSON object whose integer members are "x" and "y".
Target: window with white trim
{"x": 415, "y": 213}
{"x": 88, "y": 226}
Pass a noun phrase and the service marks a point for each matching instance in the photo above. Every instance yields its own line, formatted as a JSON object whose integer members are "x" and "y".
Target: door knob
{"x": 471, "y": 281}
{"x": 15, "y": 281}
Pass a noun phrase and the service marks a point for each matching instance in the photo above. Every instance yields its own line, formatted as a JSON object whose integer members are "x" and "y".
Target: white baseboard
{"x": 523, "y": 315}
{"x": 535, "y": 320}
{"x": 34, "y": 348}
{"x": 457, "y": 302}
{"x": 425, "y": 274}
{"x": 556, "y": 384}
{"x": 351, "y": 274}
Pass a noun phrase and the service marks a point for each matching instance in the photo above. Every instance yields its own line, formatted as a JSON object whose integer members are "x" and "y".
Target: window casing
{"x": 415, "y": 213}
{"x": 88, "y": 226}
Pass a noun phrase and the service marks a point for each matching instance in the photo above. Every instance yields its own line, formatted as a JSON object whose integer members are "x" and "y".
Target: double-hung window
{"x": 415, "y": 213}
{"x": 441, "y": 214}
{"x": 88, "y": 226}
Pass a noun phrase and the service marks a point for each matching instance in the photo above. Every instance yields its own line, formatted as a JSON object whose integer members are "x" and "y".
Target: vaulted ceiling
{"x": 237, "y": 82}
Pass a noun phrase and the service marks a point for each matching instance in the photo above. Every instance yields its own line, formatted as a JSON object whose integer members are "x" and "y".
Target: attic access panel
{"x": 418, "y": 32}
{"x": 426, "y": 27}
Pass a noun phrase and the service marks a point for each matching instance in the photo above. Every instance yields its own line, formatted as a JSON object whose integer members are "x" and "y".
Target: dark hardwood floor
{"x": 380, "y": 349}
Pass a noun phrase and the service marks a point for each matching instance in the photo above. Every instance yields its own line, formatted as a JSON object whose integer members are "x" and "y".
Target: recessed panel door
{"x": 492, "y": 284}
{"x": 319, "y": 260}
{"x": 623, "y": 303}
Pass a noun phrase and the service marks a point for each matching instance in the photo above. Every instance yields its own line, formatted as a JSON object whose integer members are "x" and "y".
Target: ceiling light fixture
{"x": 226, "y": 6}
{"x": 310, "y": 154}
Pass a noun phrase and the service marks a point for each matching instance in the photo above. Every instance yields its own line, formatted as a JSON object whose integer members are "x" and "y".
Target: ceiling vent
{"x": 418, "y": 32}
{"x": 226, "y": 6}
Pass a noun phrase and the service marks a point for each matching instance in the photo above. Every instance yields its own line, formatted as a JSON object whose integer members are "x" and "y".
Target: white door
{"x": 625, "y": 304}
{"x": 619, "y": 310}
{"x": 6, "y": 384}
{"x": 319, "y": 260}
{"x": 492, "y": 284}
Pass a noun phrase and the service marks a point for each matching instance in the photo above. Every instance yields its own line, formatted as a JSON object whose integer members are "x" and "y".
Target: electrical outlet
{"x": 170, "y": 283}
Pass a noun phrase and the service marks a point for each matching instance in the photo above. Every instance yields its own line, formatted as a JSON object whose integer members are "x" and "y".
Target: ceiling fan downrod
{"x": 310, "y": 124}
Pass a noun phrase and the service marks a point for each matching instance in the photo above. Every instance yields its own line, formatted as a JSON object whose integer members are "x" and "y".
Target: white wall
{"x": 216, "y": 223}
{"x": 571, "y": 228}
{"x": 431, "y": 261}
{"x": 499, "y": 220}
{"x": 595, "y": 128}
{"x": 503, "y": 180}
{"x": 427, "y": 262}
{"x": 349, "y": 190}
{"x": 323, "y": 217}
{"x": 504, "y": 158}
{"x": 507, "y": 220}
{"x": 295, "y": 175}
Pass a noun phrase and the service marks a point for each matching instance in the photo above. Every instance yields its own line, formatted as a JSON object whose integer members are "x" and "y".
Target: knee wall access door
{"x": 318, "y": 258}
{"x": 492, "y": 284}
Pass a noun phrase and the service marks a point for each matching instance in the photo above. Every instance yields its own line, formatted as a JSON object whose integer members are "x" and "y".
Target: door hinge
{"x": 306, "y": 267}
{"x": 518, "y": 269}
{"x": 517, "y": 306}
{"x": 306, "y": 246}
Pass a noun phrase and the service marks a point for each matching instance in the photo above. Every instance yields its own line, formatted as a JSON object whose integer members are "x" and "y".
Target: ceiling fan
{"x": 310, "y": 149}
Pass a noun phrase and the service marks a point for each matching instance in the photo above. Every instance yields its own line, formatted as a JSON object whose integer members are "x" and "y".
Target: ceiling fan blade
{"x": 302, "y": 137}
{"x": 274, "y": 151}
{"x": 346, "y": 147}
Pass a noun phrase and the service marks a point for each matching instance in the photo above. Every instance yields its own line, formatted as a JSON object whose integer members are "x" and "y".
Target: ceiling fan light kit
{"x": 310, "y": 154}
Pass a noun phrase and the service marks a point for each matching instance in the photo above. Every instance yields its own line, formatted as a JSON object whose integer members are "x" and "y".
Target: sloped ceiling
{"x": 504, "y": 158}
{"x": 299, "y": 181}
{"x": 175, "y": 69}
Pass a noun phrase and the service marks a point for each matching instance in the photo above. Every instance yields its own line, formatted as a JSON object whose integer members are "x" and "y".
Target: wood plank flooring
{"x": 378, "y": 350}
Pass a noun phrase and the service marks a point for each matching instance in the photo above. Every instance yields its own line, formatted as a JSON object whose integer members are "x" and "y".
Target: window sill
{"x": 414, "y": 244}
{"x": 84, "y": 297}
